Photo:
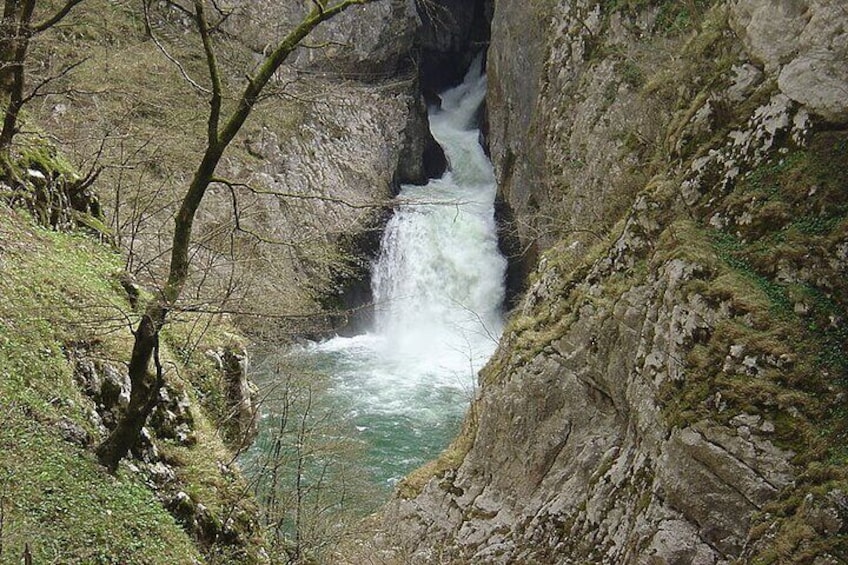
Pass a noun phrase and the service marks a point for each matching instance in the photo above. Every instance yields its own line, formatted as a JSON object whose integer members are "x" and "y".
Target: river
{"x": 396, "y": 394}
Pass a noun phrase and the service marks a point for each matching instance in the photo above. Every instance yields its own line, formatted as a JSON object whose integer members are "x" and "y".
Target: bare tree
{"x": 16, "y": 32}
{"x": 309, "y": 473}
{"x": 222, "y": 128}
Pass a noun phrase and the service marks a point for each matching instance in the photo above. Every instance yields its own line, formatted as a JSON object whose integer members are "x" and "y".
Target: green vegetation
{"x": 673, "y": 16}
{"x": 773, "y": 271}
{"x": 61, "y": 300}
{"x": 59, "y": 294}
{"x": 763, "y": 252}
{"x": 60, "y": 502}
{"x": 57, "y": 290}
{"x": 122, "y": 98}
{"x": 116, "y": 100}
{"x": 36, "y": 153}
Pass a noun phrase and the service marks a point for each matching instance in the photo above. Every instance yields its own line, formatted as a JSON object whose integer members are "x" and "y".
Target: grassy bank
{"x": 60, "y": 295}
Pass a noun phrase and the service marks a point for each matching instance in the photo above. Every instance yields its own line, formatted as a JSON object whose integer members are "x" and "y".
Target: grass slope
{"x": 57, "y": 289}
{"x": 58, "y": 292}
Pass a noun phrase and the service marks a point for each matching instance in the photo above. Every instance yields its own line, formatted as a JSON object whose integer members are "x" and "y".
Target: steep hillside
{"x": 64, "y": 338}
{"x": 286, "y": 231}
{"x": 309, "y": 175}
{"x": 671, "y": 389}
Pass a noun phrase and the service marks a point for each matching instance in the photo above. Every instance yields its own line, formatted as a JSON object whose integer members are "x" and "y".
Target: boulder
{"x": 805, "y": 44}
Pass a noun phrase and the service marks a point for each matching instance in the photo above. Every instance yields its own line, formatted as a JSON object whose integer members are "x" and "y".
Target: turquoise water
{"x": 393, "y": 398}
{"x": 403, "y": 416}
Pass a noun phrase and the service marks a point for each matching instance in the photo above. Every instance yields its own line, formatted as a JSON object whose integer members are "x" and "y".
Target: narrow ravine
{"x": 438, "y": 287}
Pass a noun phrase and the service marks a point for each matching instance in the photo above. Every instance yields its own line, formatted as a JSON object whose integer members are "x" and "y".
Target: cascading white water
{"x": 438, "y": 283}
{"x": 438, "y": 288}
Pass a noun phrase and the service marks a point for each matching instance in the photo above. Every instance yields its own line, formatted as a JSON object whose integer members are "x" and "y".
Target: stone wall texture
{"x": 669, "y": 388}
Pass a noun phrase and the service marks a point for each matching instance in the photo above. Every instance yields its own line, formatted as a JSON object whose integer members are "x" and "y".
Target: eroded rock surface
{"x": 805, "y": 44}
{"x": 657, "y": 397}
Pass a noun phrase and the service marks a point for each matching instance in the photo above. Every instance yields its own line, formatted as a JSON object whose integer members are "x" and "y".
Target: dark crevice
{"x": 421, "y": 157}
{"x": 453, "y": 32}
{"x": 510, "y": 247}
{"x": 351, "y": 310}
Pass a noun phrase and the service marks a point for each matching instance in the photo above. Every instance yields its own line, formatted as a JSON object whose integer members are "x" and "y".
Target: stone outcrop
{"x": 557, "y": 112}
{"x": 805, "y": 45}
{"x": 369, "y": 43}
{"x": 666, "y": 391}
{"x": 177, "y": 422}
{"x": 242, "y": 396}
{"x": 452, "y": 33}
{"x": 56, "y": 195}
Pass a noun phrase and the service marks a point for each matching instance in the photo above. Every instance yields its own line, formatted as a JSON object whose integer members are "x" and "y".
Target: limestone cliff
{"x": 325, "y": 149}
{"x": 671, "y": 388}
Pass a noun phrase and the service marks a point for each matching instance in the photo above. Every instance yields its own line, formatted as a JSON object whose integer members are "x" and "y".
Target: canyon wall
{"x": 336, "y": 132}
{"x": 671, "y": 387}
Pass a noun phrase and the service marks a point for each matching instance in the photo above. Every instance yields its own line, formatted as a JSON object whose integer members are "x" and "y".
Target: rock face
{"x": 805, "y": 44}
{"x": 357, "y": 130}
{"x": 172, "y": 425}
{"x": 452, "y": 33}
{"x": 369, "y": 43}
{"x": 56, "y": 196}
{"x": 666, "y": 391}
{"x": 557, "y": 112}
{"x": 242, "y": 396}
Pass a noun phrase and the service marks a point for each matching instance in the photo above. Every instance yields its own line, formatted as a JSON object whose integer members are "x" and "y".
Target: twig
{"x": 148, "y": 28}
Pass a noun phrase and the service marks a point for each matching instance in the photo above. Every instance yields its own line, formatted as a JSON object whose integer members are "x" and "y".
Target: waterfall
{"x": 438, "y": 282}
{"x": 438, "y": 287}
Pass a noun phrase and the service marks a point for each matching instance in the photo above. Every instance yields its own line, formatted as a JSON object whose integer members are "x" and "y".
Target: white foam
{"x": 438, "y": 286}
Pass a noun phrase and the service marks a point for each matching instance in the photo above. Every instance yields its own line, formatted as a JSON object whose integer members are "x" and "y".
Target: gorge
{"x": 654, "y": 265}
{"x": 437, "y": 291}
{"x": 438, "y": 297}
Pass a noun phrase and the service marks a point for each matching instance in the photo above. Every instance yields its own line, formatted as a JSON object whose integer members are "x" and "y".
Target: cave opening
{"x": 452, "y": 34}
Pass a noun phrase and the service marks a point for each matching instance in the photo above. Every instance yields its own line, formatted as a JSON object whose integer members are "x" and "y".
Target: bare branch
{"x": 55, "y": 18}
{"x": 214, "y": 75}
{"x": 148, "y": 28}
{"x": 37, "y": 91}
{"x": 295, "y": 196}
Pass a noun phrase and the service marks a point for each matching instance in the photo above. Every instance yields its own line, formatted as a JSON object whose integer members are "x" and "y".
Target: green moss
{"x": 732, "y": 252}
{"x": 60, "y": 292}
{"x": 58, "y": 289}
{"x": 791, "y": 327}
{"x": 678, "y": 17}
{"x": 64, "y": 506}
{"x": 190, "y": 337}
{"x": 38, "y": 154}
{"x": 673, "y": 17}
{"x": 631, "y": 73}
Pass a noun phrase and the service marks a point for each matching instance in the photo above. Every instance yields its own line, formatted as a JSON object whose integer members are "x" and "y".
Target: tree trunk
{"x": 16, "y": 31}
{"x": 144, "y": 392}
{"x": 145, "y": 387}
{"x": 8, "y": 32}
{"x": 16, "y": 36}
